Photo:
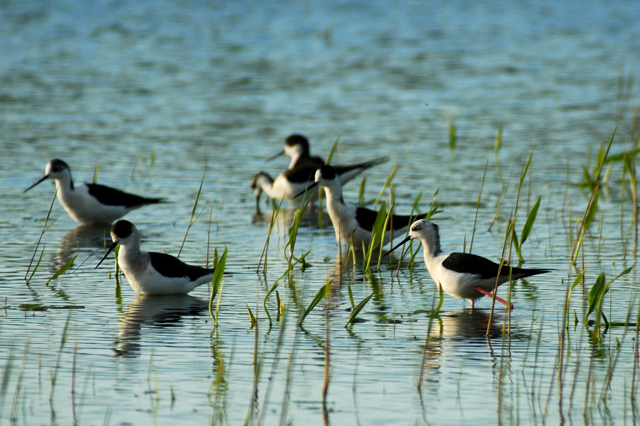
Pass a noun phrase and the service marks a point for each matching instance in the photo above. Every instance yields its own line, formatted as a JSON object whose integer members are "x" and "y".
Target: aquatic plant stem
{"x": 475, "y": 218}
{"x": 327, "y": 357}
{"x": 35, "y": 251}
{"x": 192, "y": 221}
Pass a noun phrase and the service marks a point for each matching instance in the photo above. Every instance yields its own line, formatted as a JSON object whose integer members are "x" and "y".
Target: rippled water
{"x": 154, "y": 93}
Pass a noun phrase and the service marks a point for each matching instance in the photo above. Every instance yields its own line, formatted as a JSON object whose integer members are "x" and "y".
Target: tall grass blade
{"x": 385, "y": 186}
{"x": 216, "y": 280}
{"x": 377, "y": 235}
{"x": 357, "y": 309}
{"x": 274, "y": 215}
{"x": 452, "y": 135}
{"x": 498, "y": 145}
{"x": 440, "y": 301}
{"x": 62, "y": 270}
{"x": 475, "y": 219}
{"x": 252, "y": 318}
{"x": 281, "y": 307}
{"x": 383, "y": 232}
{"x": 317, "y": 299}
{"x": 264, "y": 301}
{"x": 526, "y": 230}
{"x": 333, "y": 150}
{"x": 293, "y": 236}
{"x": 361, "y": 192}
{"x": 568, "y": 301}
{"x": 193, "y": 212}
{"x": 596, "y": 294}
{"x": 587, "y": 219}
{"x": 95, "y": 173}
{"x": 35, "y": 251}
{"x": 353, "y": 306}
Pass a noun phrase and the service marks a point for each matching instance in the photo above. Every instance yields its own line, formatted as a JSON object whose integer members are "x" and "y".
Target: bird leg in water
{"x": 486, "y": 293}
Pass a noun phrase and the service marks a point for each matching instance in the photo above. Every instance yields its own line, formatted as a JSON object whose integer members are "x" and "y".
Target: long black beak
{"x": 276, "y": 156}
{"x": 399, "y": 244}
{"x": 45, "y": 177}
{"x": 309, "y": 188}
{"x": 113, "y": 246}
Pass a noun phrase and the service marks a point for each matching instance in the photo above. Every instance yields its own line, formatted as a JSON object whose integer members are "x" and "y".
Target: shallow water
{"x": 158, "y": 93}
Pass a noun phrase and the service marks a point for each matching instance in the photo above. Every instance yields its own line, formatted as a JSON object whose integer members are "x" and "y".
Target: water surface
{"x": 158, "y": 93}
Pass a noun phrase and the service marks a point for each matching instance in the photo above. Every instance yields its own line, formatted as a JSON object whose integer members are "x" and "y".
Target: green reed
{"x": 377, "y": 235}
{"x": 327, "y": 363}
{"x": 322, "y": 292}
{"x": 252, "y": 319}
{"x": 216, "y": 285}
{"x": 45, "y": 228}
{"x": 526, "y": 230}
{"x": 452, "y": 135}
{"x": 567, "y": 303}
{"x": 293, "y": 235}
{"x": 274, "y": 215}
{"x": 496, "y": 151}
{"x": 356, "y": 310}
{"x": 278, "y": 301}
{"x": 385, "y": 186}
{"x": 62, "y": 270}
{"x": 361, "y": 190}
{"x": 475, "y": 218}
{"x": 192, "y": 221}
{"x": 596, "y": 296}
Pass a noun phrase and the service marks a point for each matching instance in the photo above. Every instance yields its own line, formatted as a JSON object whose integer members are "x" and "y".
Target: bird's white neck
{"x": 333, "y": 192}
{"x": 431, "y": 245}
{"x": 64, "y": 183}
{"x": 295, "y": 152}
{"x": 294, "y": 160}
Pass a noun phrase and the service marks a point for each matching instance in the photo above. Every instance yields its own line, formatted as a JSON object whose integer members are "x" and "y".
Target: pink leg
{"x": 486, "y": 293}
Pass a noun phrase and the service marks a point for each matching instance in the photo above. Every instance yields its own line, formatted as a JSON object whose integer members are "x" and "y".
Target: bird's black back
{"x": 473, "y": 264}
{"x": 367, "y": 218}
{"x": 173, "y": 267}
{"x": 301, "y": 174}
{"x": 115, "y": 197}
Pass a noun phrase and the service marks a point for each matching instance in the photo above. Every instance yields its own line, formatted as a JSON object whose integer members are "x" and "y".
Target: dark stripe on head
{"x": 57, "y": 165}
{"x": 297, "y": 139}
{"x": 327, "y": 172}
{"x": 122, "y": 228}
{"x": 436, "y": 245}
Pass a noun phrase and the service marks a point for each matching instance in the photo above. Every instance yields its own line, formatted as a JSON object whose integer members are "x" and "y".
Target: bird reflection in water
{"x": 80, "y": 237}
{"x": 457, "y": 336}
{"x": 155, "y": 311}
